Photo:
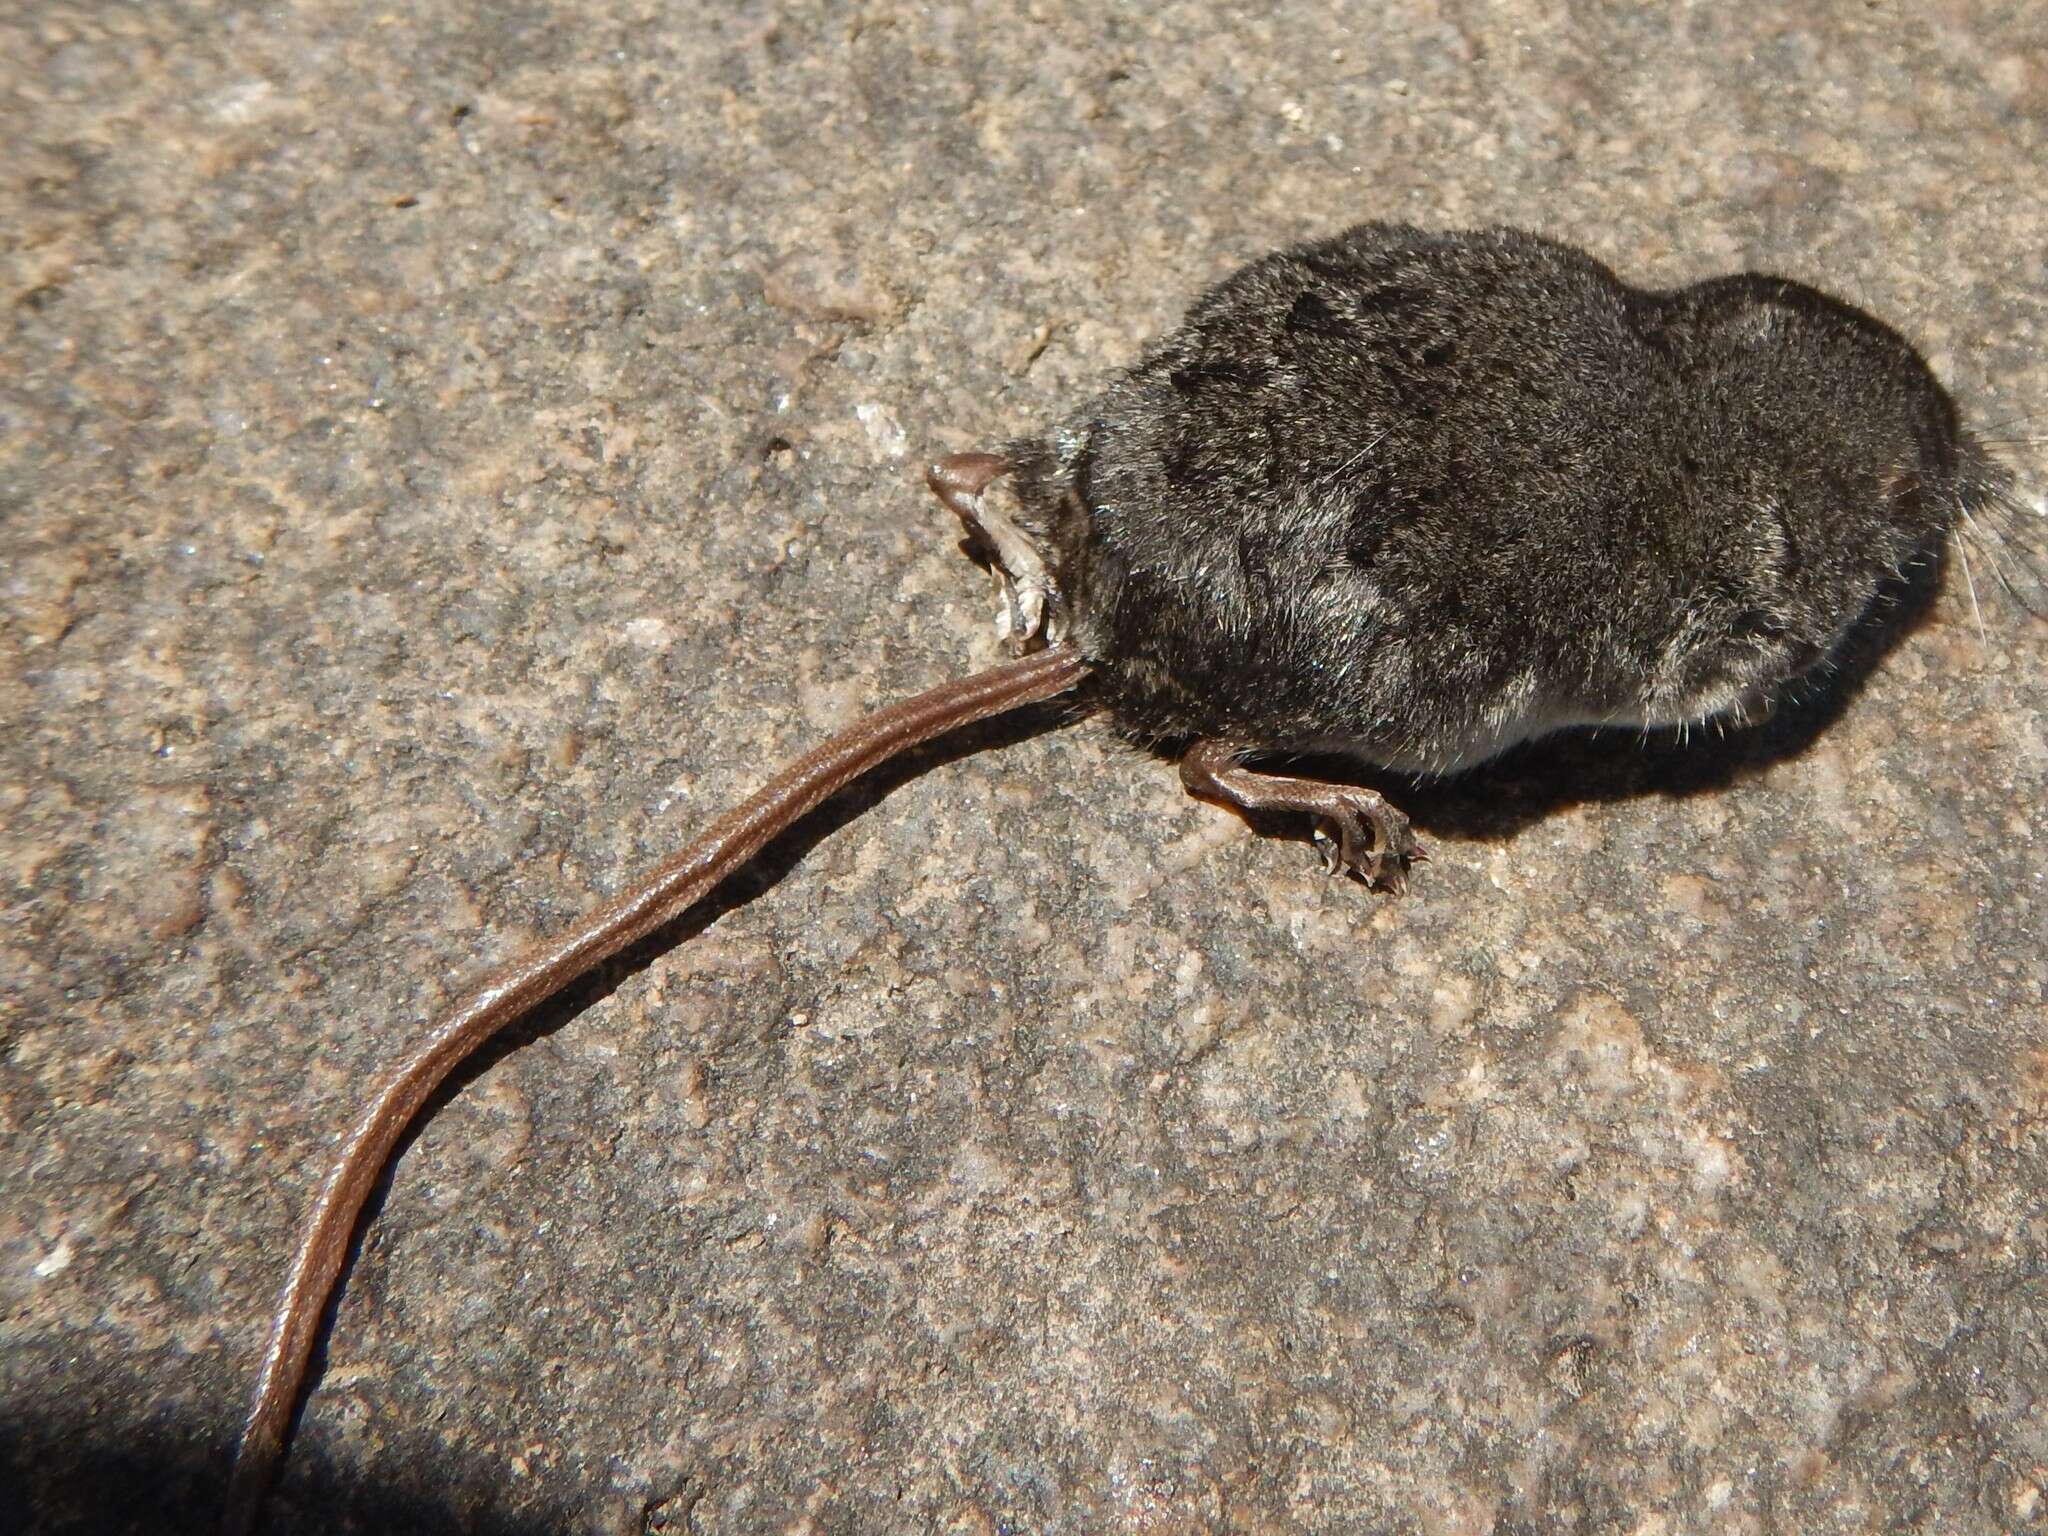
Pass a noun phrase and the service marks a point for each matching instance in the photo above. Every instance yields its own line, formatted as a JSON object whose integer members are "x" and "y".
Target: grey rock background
{"x": 449, "y": 452}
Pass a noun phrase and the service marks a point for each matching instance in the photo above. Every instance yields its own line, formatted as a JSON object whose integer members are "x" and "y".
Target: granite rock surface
{"x": 449, "y": 452}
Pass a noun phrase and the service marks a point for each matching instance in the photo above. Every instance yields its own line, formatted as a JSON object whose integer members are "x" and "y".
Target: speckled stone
{"x": 448, "y": 452}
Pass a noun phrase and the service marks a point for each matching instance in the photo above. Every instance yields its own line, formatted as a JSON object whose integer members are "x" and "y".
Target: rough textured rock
{"x": 448, "y": 452}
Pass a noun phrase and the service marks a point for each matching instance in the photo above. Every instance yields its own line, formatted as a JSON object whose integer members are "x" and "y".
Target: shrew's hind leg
{"x": 1027, "y": 618}
{"x": 1357, "y": 830}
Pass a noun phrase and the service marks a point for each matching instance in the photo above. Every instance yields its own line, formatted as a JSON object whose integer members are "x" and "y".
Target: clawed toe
{"x": 1368, "y": 838}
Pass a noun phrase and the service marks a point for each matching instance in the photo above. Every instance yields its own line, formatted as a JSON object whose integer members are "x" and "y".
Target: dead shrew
{"x": 1407, "y": 496}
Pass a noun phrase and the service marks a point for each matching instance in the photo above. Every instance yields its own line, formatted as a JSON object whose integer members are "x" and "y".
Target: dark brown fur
{"x": 1420, "y": 496}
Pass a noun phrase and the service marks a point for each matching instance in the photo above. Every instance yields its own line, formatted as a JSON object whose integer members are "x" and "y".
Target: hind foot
{"x": 1356, "y": 829}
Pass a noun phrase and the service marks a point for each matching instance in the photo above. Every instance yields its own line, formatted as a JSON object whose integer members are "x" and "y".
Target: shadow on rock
{"x": 105, "y": 1468}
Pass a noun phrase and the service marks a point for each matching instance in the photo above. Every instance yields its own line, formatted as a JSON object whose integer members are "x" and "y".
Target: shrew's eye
{"x": 1756, "y": 624}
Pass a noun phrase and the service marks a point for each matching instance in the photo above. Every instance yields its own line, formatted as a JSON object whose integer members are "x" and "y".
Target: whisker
{"x": 1971, "y": 530}
{"x": 1963, "y": 549}
{"x": 2004, "y": 527}
{"x": 1990, "y": 511}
